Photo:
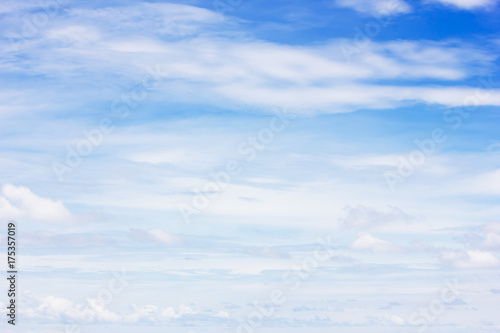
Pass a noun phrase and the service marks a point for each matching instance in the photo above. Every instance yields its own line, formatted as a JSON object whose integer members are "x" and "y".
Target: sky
{"x": 252, "y": 166}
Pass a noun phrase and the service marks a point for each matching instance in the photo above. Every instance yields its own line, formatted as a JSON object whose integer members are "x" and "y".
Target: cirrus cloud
{"x": 468, "y": 4}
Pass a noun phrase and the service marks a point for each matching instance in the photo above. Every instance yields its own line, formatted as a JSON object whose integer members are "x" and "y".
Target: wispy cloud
{"x": 155, "y": 236}
{"x": 213, "y": 88}
{"x": 248, "y": 70}
{"x": 377, "y": 7}
{"x": 363, "y": 218}
{"x": 469, "y": 4}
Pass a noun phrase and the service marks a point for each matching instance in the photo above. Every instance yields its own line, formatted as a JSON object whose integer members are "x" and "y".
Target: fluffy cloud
{"x": 362, "y": 217}
{"x": 155, "y": 314}
{"x": 396, "y": 320}
{"x": 469, "y": 259}
{"x": 486, "y": 236}
{"x": 492, "y": 227}
{"x": 19, "y": 202}
{"x": 369, "y": 243}
{"x": 54, "y": 309}
{"x": 492, "y": 240}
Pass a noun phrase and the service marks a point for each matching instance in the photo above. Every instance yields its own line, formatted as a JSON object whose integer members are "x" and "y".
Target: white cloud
{"x": 491, "y": 241}
{"x": 232, "y": 71}
{"x": 222, "y": 314}
{"x": 362, "y": 217}
{"x": 469, "y": 259}
{"x": 156, "y": 236}
{"x": 377, "y": 7}
{"x": 54, "y": 309}
{"x": 349, "y": 97}
{"x": 74, "y": 34}
{"x": 170, "y": 313}
{"x": 492, "y": 227}
{"x": 396, "y": 320}
{"x": 13, "y": 7}
{"x": 51, "y": 239}
{"x": 365, "y": 161}
{"x": 164, "y": 18}
{"x": 468, "y": 4}
{"x": 368, "y": 242}
{"x": 146, "y": 313}
{"x": 155, "y": 314}
{"x": 176, "y": 157}
{"x": 266, "y": 252}
{"x": 485, "y": 183}
{"x": 20, "y": 202}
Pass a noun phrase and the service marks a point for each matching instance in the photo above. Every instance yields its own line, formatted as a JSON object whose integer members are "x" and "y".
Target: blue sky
{"x": 252, "y": 166}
